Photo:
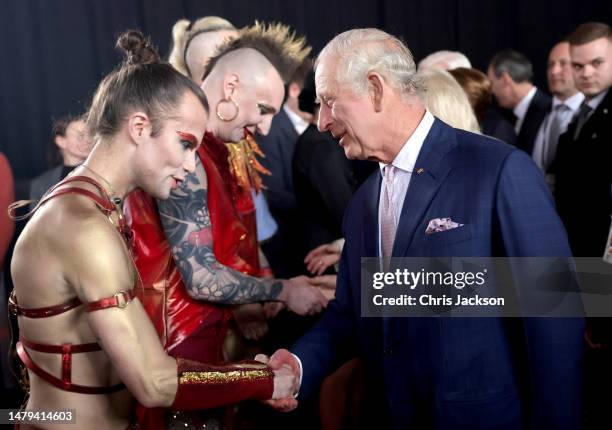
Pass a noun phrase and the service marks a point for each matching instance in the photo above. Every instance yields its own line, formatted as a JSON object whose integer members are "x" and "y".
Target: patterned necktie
{"x": 581, "y": 118}
{"x": 387, "y": 212}
{"x": 554, "y": 131}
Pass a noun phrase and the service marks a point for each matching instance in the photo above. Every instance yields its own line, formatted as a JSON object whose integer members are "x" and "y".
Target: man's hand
{"x": 282, "y": 361}
{"x": 301, "y": 297}
{"x": 323, "y": 256}
{"x": 327, "y": 284}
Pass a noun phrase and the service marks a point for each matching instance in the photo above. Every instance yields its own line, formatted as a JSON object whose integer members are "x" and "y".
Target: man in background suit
{"x": 565, "y": 104}
{"x": 443, "y": 373}
{"x": 284, "y": 250}
{"x": 511, "y": 73}
{"x": 583, "y": 193}
{"x": 73, "y": 142}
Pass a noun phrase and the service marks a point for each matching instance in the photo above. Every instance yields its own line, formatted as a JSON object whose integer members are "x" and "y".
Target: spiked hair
{"x": 276, "y": 42}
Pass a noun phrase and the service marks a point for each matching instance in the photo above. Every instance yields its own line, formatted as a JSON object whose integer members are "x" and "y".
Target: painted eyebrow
{"x": 266, "y": 109}
{"x": 193, "y": 141}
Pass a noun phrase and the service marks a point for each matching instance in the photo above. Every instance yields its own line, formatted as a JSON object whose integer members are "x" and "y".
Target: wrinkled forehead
{"x": 325, "y": 78}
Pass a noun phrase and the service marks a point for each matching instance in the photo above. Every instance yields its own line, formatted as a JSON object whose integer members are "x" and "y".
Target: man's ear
{"x": 60, "y": 141}
{"x": 375, "y": 90}
{"x": 139, "y": 126}
{"x": 231, "y": 83}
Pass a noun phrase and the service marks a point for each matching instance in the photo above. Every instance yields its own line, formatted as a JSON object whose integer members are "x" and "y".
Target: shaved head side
{"x": 275, "y": 42}
{"x": 248, "y": 63}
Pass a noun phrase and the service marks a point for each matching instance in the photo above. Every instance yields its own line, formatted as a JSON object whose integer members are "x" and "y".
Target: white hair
{"x": 445, "y": 60}
{"x": 445, "y": 99}
{"x": 360, "y": 51}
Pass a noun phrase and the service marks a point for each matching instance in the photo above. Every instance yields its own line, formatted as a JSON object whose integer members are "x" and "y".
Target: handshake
{"x": 287, "y": 375}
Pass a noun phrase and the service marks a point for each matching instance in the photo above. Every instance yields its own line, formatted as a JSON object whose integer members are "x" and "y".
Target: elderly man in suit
{"x": 442, "y": 373}
{"x": 511, "y": 73}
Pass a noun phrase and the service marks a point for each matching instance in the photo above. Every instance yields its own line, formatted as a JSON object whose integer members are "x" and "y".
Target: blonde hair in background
{"x": 184, "y": 31}
{"x": 445, "y": 99}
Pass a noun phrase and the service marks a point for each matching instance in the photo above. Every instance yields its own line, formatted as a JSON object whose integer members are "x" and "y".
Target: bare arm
{"x": 129, "y": 339}
{"x": 126, "y": 335}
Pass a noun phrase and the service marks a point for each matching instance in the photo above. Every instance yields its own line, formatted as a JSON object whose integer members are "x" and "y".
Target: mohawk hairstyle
{"x": 277, "y": 42}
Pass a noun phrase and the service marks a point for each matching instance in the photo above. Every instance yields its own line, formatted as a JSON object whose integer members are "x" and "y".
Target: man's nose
{"x": 325, "y": 118}
{"x": 263, "y": 127}
{"x": 189, "y": 164}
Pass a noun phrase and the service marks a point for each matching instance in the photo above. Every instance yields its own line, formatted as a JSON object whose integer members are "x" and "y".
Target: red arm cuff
{"x": 202, "y": 386}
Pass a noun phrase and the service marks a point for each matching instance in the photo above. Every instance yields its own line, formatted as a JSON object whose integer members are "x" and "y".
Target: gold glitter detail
{"x": 214, "y": 377}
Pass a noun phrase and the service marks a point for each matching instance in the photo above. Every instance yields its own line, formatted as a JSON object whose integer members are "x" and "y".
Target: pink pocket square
{"x": 438, "y": 225}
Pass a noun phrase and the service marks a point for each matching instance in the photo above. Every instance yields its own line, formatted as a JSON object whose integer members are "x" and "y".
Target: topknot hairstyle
{"x": 141, "y": 82}
{"x": 137, "y": 49}
{"x": 276, "y": 42}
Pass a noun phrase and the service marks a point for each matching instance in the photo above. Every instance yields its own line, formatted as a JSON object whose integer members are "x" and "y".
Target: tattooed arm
{"x": 186, "y": 213}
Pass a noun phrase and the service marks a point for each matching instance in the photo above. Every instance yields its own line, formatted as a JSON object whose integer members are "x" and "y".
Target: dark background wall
{"x": 54, "y": 52}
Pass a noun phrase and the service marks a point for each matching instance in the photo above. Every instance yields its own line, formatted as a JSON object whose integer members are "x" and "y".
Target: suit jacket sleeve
{"x": 530, "y": 227}
{"x": 332, "y": 340}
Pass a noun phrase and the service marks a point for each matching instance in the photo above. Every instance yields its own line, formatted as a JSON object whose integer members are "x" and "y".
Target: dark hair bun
{"x": 137, "y": 48}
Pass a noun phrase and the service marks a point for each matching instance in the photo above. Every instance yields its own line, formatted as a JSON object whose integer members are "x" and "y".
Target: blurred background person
{"x": 444, "y": 60}
{"x": 322, "y": 177}
{"x": 511, "y": 75}
{"x": 7, "y": 228}
{"x": 194, "y": 42}
{"x": 478, "y": 89}
{"x": 583, "y": 193}
{"x": 285, "y": 249}
{"x": 445, "y": 99}
{"x": 565, "y": 105}
{"x": 71, "y": 145}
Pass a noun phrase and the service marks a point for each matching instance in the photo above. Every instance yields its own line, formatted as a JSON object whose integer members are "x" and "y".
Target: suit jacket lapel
{"x": 424, "y": 183}
{"x": 370, "y": 225}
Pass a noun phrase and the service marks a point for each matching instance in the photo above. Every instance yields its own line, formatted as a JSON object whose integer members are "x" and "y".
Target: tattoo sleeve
{"x": 186, "y": 221}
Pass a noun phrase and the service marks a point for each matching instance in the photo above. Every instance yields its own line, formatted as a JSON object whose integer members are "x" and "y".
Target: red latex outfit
{"x": 192, "y": 328}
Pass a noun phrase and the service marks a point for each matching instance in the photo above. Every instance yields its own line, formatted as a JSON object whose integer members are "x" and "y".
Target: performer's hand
{"x": 282, "y": 360}
{"x": 322, "y": 257}
{"x": 301, "y": 297}
{"x": 251, "y": 320}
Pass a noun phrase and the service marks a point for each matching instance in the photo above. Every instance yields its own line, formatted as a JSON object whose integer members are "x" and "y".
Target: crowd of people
{"x": 208, "y": 212}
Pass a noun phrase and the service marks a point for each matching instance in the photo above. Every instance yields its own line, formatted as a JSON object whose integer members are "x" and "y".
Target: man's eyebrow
{"x": 266, "y": 109}
{"x": 193, "y": 141}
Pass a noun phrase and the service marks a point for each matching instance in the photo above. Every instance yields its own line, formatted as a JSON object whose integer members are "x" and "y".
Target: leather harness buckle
{"x": 123, "y": 302}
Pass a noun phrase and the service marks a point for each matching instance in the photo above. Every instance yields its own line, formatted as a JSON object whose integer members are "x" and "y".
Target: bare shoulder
{"x": 95, "y": 259}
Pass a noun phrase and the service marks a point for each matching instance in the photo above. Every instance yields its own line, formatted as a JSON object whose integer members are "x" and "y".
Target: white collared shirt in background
{"x": 565, "y": 116}
{"x": 298, "y": 122}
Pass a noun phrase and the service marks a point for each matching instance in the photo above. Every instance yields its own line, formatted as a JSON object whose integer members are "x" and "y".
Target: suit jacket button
{"x": 594, "y": 136}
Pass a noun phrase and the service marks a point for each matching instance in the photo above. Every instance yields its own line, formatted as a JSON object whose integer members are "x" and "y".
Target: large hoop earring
{"x": 229, "y": 100}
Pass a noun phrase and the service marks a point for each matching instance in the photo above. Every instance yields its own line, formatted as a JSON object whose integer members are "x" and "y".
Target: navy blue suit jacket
{"x": 456, "y": 373}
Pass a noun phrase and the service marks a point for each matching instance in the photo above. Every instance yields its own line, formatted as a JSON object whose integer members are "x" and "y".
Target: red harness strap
{"x": 119, "y": 300}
